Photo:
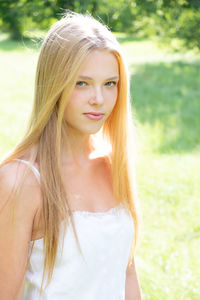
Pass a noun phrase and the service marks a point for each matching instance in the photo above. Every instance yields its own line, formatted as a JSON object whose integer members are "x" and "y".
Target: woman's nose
{"x": 97, "y": 96}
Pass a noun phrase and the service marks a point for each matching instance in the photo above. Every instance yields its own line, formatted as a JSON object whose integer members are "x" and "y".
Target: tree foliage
{"x": 164, "y": 18}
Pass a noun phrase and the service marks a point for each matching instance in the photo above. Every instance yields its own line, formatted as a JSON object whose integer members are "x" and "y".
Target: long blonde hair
{"x": 64, "y": 49}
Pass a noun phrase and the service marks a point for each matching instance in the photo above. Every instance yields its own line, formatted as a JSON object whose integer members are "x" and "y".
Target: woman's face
{"x": 94, "y": 95}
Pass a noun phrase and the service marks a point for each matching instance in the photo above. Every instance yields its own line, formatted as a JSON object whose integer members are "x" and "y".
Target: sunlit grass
{"x": 166, "y": 97}
{"x": 168, "y": 258}
{"x": 18, "y": 64}
{"x": 165, "y": 90}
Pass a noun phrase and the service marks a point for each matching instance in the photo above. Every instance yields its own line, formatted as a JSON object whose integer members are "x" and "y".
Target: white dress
{"x": 105, "y": 240}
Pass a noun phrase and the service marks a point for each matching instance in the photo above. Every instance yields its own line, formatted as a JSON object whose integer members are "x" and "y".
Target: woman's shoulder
{"x": 11, "y": 174}
{"x": 14, "y": 186}
{"x": 18, "y": 207}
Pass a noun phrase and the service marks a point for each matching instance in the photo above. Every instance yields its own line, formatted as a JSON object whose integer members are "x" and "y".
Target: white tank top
{"x": 105, "y": 240}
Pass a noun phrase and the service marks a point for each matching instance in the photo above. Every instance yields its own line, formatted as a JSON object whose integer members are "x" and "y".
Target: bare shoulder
{"x": 17, "y": 214}
{"x": 11, "y": 179}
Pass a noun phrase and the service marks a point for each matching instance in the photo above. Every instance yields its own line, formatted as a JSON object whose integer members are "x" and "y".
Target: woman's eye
{"x": 111, "y": 83}
{"x": 81, "y": 83}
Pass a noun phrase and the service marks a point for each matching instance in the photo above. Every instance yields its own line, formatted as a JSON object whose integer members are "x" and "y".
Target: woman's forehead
{"x": 100, "y": 62}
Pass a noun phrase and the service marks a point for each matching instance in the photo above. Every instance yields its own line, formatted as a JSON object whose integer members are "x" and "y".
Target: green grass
{"x": 165, "y": 90}
{"x": 171, "y": 108}
{"x": 18, "y": 64}
{"x": 168, "y": 259}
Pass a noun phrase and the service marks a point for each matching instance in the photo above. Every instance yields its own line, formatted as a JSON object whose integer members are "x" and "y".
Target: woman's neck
{"x": 76, "y": 151}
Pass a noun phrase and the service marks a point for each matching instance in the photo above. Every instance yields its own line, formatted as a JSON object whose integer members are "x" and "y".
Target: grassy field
{"x": 165, "y": 90}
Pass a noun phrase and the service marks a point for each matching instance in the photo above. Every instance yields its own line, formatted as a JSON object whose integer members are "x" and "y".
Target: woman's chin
{"x": 91, "y": 130}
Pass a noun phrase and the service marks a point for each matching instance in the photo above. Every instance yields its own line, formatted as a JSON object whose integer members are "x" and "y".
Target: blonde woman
{"x": 69, "y": 216}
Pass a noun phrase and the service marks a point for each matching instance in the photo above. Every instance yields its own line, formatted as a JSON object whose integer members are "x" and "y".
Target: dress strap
{"x": 33, "y": 168}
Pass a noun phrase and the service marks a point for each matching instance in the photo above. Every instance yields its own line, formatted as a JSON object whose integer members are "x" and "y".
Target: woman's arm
{"x": 15, "y": 230}
{"x": 132, "y": 287}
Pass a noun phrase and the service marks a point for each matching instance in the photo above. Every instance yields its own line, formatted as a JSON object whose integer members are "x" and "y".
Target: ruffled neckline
{"x": 111, "y": 211}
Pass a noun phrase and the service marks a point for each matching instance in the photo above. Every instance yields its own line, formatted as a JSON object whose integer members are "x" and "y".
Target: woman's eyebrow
{"x": 113, "y": 78}
{"x": 90, "y": 78}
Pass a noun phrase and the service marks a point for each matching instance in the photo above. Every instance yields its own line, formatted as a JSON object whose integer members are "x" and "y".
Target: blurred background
{"x": 161, "y": 41}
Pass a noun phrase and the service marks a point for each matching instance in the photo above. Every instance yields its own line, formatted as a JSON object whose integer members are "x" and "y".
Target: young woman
{"x": 69, "y": 216}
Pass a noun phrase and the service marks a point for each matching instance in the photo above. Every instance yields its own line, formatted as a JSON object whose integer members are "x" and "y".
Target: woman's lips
{"x": 94, "y": 116}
